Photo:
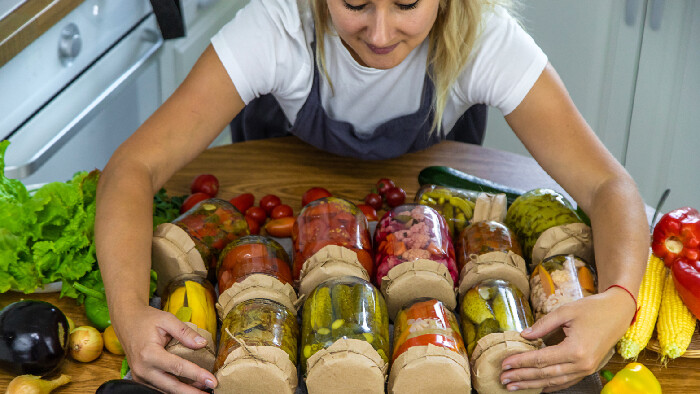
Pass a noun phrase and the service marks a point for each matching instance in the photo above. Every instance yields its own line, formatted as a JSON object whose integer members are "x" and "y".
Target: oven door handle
{"x": 52, "y": 146}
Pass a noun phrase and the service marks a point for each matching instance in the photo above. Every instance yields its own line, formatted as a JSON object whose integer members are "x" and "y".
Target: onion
{"x": 85, "y": 344}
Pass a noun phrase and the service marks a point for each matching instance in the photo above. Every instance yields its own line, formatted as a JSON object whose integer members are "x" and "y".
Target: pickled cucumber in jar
{"x": 485, "y": 237}
{"x": 560, "y": 279}
{"x": 493, "y": 306}
{"x": 331, "y": 221}
{"x": 455, "y": 205}
{"x": 250, "y": 255}
{"x": 191, "y": 299}
{"x": 345, "y": 307}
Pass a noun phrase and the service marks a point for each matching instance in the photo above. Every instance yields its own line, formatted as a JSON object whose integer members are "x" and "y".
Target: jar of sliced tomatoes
{"x": 249, "y": 255}
{"x": 331, "y": 221}
{"x": 212, "y": 224}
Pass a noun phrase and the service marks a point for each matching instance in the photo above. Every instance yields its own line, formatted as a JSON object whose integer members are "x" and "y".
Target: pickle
{"x": 321, "y": 309}
{"x": 504, "y": 313}
{"x": 469, "y": 331}
{"x": 488, "y": 326}
{"x": 343, "y": 302}
{"x": 475, "y": 307}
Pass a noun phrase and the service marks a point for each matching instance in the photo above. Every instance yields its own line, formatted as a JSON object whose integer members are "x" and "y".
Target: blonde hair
{"x": 452, "y": 40}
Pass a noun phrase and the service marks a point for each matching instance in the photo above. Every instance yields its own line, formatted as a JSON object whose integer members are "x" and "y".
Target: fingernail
{"x": 210, "y": 383}
{"x": 527, "y": 331}
{"x": 200, "y": 340}
{"x": 505, "y": 381}
{"x": 507, "y": 367}
{"x": 512, "y": 388}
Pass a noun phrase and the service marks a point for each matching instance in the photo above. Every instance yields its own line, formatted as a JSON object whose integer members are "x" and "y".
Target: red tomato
{"x": 256, "y": 213}
{"x": 253, "y": 226}
{"x": 314, "y": 194}
{"x": 192, "y": 200}
{"x": 383, "y": 185}
{"x": 205, "y": 183}
{"x": 269, "y": 202}
{"x": 369, "y": 212}
{"x": 243, "y": 201}
{"x": 280, "y": 227}
{"x": 374, "y": 200}
{"x": 395, "y": 197}
{"x": 282, "y": 211}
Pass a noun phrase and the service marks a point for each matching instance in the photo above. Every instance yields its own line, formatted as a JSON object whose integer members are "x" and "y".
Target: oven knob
{"x": 69, "y": 44}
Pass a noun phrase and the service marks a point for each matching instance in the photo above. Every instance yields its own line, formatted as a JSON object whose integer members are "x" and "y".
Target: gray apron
{"x": 263, "y": 118}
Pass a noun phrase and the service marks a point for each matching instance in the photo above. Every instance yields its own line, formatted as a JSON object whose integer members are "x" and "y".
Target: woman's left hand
{"x": 592, "y": 326}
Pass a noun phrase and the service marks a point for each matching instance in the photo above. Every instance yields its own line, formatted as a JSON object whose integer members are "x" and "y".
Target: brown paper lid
{"x": 203, "y": 357}
{"x": 173, "y": 253}
{"x": 423, "y": 369}
{"x": 256, "y": 286}
{"x": 488, "y": 355}
{"x": 495, "y": 265}
{"x": 490, "y": 207}
{"x": 417, "y": 279}
{"x": 257, "y": 369}
{"x": 331, "y": 261}
{"x": 573, "y": 238}
{"x": 347, "y": 366}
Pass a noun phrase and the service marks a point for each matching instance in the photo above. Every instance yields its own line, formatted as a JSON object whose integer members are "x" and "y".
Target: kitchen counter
{"x": 28, "y": 21}
{"x": 287, "y": 167}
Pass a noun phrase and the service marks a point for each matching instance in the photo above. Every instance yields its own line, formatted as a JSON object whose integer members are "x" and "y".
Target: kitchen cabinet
{"x": 632, "y": 69}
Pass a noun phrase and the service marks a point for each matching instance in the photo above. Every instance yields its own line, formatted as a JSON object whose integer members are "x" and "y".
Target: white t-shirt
{"x": 266, "y": 49}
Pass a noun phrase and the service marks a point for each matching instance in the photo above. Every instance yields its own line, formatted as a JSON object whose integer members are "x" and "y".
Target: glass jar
{"x": 485, "y": 237}
{"x": 192, "y": 299}
{"x": 252, "y": 254}
{"x": 493, "y": 306}
{"x": 411, "y": 232}
{"x": 212, "y": 224}
{"x": 345, "y": 307}
{"x": 557, "y": 280}
{"x": 258, "y": 322}
{"x": 331, "y": 221}
{"x": 455, "y": 205}
{"x": 425, "y": 322}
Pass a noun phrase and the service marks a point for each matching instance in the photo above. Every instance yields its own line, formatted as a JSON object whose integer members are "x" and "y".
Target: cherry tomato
{"x": 243, "y": 201}
{"x": 314, "y": 194}
{"x": 269, "y": 202}
{"x": 395, "y": 197}
{"x": 383, "y": 185}
{"x": 192, "y": 200}
{"x": 374, "y": 200}
{"x": 280, "y": 227}
{"x": 253, "y": 226}
{"x": 282, "y": 211}
{"x": 205, "y": 183}
{"x": 369, "y": 212}
{"x": 256, "y": 213}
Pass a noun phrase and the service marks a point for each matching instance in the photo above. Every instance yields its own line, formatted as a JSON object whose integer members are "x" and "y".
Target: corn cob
{"x": 639, "y": 333}
{"x": 675, "y": 325}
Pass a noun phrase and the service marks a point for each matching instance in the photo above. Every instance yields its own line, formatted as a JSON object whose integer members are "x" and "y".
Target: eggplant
{"x": 121, "y": 386}
{"x": 33, "y": 338}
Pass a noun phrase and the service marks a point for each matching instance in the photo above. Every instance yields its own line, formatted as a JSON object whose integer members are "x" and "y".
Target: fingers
{"x": 550, "y": 322}
{"x": 168, "y": 383}
{"x": 180, "y": 331}
{"x": 539, "y": 359}
{"x": 160, "y": 359}
{"x": 550, "y": 384}
{"x": 521, "y": 374}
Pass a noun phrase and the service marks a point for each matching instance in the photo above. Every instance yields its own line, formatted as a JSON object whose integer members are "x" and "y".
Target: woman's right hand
{"x": 143, "y": 332}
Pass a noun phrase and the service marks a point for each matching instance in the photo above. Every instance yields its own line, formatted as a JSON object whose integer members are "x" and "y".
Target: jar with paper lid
{"x": 485, "y": 237}
{"x": 258, "y": 348}
{"x": 331, "y": 221}
{"x": 455, "y": 205}
{"x": 493, "y": 314}
{"x": 191, "y": 299}
{"x": 429, "y": 352}
{"x": 558, "y": 280}
{"x": 251, "y": 255}
{"x": 345, "y": 333}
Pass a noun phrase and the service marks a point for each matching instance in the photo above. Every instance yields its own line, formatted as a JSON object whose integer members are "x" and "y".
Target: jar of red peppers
{"x": 429, "y": 353}
{"x": 258, "y": 349}
{"x": 191, "y": 299}
{"x": 414, "y": 257}
{"x": 329, "y": 224}
{"x": 489, "y": 250}
{"x": 345, "y": 334}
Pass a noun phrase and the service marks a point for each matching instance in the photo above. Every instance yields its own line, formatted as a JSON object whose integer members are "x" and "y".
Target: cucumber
{"x": 449, "y": 177}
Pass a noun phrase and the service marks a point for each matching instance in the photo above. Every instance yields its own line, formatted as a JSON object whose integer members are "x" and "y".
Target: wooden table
{"x": 288, "y": 167}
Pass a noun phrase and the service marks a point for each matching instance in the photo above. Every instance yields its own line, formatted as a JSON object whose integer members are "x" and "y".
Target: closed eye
{"x": 407, "y": 7}
{"x": 354, "y": 7}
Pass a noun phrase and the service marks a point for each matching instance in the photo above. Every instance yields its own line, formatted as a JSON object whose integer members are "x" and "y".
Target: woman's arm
{"x": 174, "y": 135}
{"x": 557, "y": 136}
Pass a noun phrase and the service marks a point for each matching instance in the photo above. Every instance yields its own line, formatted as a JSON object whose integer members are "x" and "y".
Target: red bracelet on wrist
{"x": 636, "y": 309}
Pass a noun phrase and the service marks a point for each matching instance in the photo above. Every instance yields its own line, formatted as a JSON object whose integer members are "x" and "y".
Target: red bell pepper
{"x": 677, "y": 235}
{"x": 686, "y": 278}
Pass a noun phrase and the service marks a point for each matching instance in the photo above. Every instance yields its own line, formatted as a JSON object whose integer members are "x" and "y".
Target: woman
{"x": 373, "y": 79}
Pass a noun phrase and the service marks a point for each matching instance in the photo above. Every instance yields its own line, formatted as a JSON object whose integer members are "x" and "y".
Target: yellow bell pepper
{"x": 632, "y": 379}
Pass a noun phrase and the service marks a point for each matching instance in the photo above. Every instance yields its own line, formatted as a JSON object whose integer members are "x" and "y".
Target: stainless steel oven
{"x": 70, "y": 98}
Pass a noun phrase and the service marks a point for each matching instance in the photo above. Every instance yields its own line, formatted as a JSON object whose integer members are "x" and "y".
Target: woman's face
{"x": 381, "y": 33}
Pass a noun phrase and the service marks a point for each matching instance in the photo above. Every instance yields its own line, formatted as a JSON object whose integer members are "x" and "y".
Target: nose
{"x": 379, "y": 30}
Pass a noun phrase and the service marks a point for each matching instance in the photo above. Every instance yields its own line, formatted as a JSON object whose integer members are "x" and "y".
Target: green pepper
{"x": 633, "y": 378}
{"x": 95, "y": 306}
